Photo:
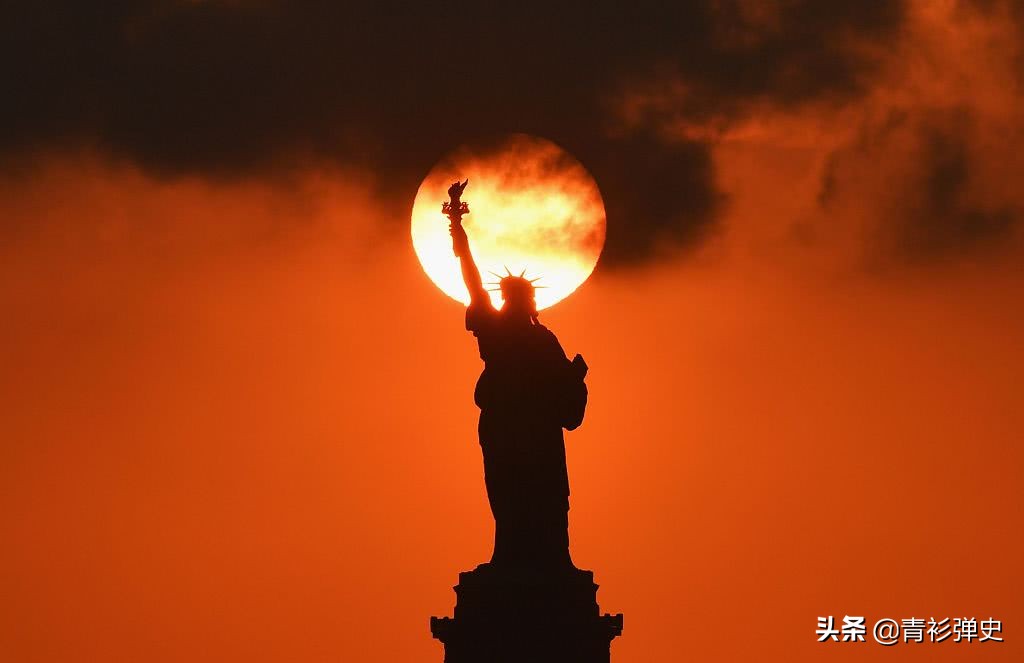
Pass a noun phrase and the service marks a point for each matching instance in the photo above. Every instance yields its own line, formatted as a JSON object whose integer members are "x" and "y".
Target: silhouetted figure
{"x": 527, "y": 393}
{"x": 530, "y": 603}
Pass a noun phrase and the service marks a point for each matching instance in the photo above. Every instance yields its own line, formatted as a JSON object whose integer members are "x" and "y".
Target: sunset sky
{"x": 237, "y": 417}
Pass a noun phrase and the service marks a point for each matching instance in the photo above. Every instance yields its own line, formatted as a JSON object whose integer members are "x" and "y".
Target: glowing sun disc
{"x": 532, "y": 207}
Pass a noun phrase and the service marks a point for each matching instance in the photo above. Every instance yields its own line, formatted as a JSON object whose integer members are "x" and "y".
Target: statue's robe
{"x": 528, "y": 392}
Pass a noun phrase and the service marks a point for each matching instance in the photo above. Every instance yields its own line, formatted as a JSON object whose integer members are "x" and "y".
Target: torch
{"x": 454, "y": 209}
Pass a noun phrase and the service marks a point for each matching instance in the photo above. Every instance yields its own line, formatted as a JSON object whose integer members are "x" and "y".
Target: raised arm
{"x": 470, "y": 272}
{"x": 455, "y": 209}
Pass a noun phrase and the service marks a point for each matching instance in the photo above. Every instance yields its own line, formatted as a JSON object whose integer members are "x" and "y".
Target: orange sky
{"x": 238, "y": 418}
{"x": 226, "y": 442}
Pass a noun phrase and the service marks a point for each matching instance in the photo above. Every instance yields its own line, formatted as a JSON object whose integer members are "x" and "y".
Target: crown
{"x": 508, "y": 281}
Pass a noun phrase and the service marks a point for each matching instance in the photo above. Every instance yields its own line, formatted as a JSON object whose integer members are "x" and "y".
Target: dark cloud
{"x": 919, "y": 176}
{"x": 225, "y": 89}
{"x": 948, "y": 219}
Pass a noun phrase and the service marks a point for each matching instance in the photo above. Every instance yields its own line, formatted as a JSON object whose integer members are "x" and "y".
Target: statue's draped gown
{"x": 527, "y": 393}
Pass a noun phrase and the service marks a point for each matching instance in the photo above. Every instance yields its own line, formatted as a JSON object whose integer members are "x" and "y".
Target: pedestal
{"x": 516, "y": 616}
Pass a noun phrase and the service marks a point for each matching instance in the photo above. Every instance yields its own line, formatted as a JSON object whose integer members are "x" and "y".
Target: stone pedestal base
{"x": 507, "y": 616}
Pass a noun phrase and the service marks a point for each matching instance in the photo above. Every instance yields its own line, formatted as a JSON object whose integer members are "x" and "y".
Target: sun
{"x": 533, "y": 207}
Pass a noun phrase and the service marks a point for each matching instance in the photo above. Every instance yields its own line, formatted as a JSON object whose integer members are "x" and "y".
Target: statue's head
{"x": 518, "y": 293}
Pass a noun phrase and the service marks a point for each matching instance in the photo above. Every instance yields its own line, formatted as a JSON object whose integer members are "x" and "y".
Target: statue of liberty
{"x": 528, "y": 392}
{"x": 530, "y": 602}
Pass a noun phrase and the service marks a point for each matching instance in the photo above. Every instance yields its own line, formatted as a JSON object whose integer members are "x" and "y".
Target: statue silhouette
{"x": 528, "y": 392}
{"x": 529, "y": 603}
